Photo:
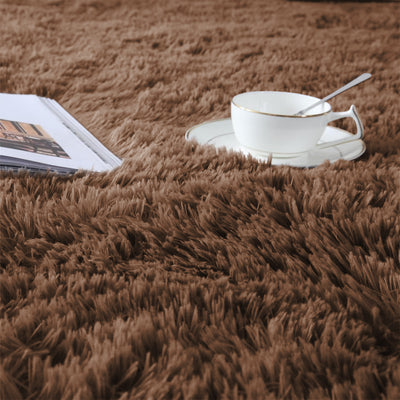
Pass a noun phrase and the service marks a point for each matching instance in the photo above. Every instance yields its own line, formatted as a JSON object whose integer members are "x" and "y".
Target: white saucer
{"x": 220, "y": 134}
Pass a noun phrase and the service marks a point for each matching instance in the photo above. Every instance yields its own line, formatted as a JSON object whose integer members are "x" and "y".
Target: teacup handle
{"x": 350, "y": 113}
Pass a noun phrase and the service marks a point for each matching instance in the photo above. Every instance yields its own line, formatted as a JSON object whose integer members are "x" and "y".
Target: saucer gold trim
{"x": 325, "y": 150}
{"x": 189, "y": 131}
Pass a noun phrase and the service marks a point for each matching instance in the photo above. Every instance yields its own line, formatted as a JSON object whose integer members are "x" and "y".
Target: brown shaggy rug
{"x": 187, "y": 273}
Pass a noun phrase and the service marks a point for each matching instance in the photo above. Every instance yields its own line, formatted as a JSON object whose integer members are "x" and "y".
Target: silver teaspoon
{"x": 354, "y": 82}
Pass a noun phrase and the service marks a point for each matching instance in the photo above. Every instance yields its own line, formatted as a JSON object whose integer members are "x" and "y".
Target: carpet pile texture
{"x": 189, "y": 273}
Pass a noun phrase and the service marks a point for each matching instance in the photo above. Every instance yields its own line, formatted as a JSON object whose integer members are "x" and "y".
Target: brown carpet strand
{"x": 189, "y": 273}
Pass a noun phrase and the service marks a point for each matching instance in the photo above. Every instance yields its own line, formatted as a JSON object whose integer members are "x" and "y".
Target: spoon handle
{"x": 354, "y": 82}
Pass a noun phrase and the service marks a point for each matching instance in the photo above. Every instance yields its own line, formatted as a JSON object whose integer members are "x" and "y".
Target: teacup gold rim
{"x": 280, "y": 115}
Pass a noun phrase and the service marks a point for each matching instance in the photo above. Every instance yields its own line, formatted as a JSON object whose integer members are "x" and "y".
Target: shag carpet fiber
{"x": 189, "y": 273}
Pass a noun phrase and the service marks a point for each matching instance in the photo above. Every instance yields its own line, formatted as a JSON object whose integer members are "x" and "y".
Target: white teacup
{"x": 265, "y": 122}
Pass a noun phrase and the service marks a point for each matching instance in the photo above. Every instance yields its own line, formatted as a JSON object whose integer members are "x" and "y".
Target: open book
{"x": 38, "y": 134}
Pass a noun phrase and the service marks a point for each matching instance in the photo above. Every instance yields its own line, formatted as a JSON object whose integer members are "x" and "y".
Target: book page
{"x": 30, "y": 131}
